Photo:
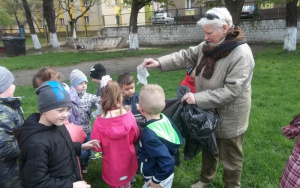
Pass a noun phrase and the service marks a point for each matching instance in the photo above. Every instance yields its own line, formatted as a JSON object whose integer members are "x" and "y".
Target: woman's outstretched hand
{"x": 189, "y": 97}
{"x": 150, "y": 63}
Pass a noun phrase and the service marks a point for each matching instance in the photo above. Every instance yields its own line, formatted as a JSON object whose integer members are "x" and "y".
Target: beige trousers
{"x": 230, "y": 156}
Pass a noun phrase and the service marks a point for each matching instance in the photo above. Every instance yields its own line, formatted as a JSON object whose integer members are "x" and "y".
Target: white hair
{"x": 224, "y": 18}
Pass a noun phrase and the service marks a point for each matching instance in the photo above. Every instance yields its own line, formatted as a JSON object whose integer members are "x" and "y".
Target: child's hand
{"x": 90, "y": 144}
{"x": 81, "y": 184}
{"x": 153, "y": 185}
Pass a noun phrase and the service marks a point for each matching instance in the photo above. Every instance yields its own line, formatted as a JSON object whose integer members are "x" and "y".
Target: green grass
{"x": 275, "y": 101}
{"x": 58, "y": 59}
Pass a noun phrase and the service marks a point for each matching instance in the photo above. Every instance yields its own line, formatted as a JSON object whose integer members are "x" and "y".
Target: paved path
{"x": 113, "y": 66}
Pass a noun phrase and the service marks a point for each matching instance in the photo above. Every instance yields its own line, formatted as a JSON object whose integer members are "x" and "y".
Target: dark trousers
{"x": 231, "y": 157}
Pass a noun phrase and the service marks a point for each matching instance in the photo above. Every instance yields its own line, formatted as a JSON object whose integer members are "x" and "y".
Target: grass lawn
{"x": 275, "y": 101}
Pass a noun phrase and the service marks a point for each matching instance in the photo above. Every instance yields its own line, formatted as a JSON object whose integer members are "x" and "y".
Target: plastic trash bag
{"x": 142, "y": 74}
{"x": 173, "y": 111}
{"x": 199, "y": 129}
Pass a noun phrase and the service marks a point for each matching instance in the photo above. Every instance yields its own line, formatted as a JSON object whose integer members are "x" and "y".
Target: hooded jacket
{"x": 228, "y": 90}
{"x": 11, "y": 116}
{"x": 48, "y": 155}
{"x": 116, "y": 136}
{"x": 159, "y": 142}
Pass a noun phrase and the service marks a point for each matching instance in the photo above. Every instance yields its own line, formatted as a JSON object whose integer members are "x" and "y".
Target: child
{"x": 131, "y": 98}
{"x": 116, "y": 129}
{"x": 11, "y": 116}
{"x": 48, "y": 155}
{"x": 97, "y": 71}
{"x": 290, "y": 176}
{"x": 187, "y": 84}
{"x": 86, "y": 103}
{"x": 159, "y": 141}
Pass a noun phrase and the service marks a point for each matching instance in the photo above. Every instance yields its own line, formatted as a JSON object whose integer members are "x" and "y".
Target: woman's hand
{"x": 189, "y": 98}
{"x": 81, "y": 184}
{"x": 90, "y": 144}
{"x": 150, "y": 63}
{"x": 151, "y": 184}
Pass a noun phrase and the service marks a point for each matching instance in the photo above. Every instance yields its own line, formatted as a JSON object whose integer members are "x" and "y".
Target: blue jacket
{"x": 11, "y": 116}
{"x": 133, "y": 101}
{"x": 159, "y": 142}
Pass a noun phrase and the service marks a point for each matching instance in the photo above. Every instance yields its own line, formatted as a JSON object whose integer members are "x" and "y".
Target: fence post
{"x": 176, "y": 16}
{"x": 21, "y": 32}
{"x": 67, "y": 30}
{"x": 46, "y": 33}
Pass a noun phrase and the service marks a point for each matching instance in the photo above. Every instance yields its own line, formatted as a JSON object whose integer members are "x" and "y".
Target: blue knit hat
{"x": 52, "y": 95}
{"x": 6, "y": 79}
{"x": 76, "y": 77}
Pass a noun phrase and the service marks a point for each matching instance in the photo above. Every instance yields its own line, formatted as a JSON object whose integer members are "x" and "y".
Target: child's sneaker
{"x": 96, "y": 155}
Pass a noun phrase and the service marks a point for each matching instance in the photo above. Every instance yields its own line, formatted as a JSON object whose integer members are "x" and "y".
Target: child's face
{"x": 128, "y": 90}
{"x": 9, "y": 92}
{"x": 55, "y": 116}
{"x": 82, "y": 87}
{"x": 97, "y": 81}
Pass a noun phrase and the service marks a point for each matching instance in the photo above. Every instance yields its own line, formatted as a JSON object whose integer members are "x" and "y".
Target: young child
{"x": 48, "y": 155}
{"x": 131, "y": 98}
{"x": 86, "y": 103}
{"x": 159, "y": 140}
{"x": 290, "y": 176}
{"x": 116, "y": 129}
{"x": 97, "y": 71}
{"x": 187, "y": 84}
{"x": 11, "y": 116}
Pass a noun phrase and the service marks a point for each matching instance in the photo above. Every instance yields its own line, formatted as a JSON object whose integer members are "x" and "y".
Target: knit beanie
{"x": 76, "y": 77}
{"x": 97, "y": 71}
{"x": 52, "y": 95}
{"x": 6, "y": 79}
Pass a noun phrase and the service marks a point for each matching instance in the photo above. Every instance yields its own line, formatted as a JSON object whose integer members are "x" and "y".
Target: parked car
{"x": 248, "y": 11}
{"x": 162, "y": 18}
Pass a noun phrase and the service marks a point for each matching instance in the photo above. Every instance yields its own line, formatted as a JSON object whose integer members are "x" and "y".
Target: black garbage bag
{"x": 173, "y": 111}
{"x": 199, "y": 127}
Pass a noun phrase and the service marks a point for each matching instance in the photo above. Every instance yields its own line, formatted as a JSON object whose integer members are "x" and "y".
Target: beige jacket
{"x": 228, "y": 90}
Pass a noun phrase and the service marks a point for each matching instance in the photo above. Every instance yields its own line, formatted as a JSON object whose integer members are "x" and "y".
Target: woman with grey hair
{"x": 224, "y": 68}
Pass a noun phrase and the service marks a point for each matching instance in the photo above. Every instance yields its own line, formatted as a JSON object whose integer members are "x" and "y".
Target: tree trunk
{"x": 49, "y": 14}
{"x": 133, "y": 35}
{"x": 133, "y": 28}
{"x": 35, "y": 39}
{"x": 290, "y": 38}
{"x": 235, "y": 9}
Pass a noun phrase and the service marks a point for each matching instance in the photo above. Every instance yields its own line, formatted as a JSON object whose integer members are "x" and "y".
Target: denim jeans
{"x": 85, "y": 154}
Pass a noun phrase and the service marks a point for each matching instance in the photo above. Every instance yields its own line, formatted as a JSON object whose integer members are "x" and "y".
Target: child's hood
{"x": 116, "y": 127}
{"x": 31, "y": 126}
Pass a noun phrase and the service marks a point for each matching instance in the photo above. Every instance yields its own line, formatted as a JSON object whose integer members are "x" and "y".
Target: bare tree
{"x": 14, "y": 8}
{"x": 35, "y": 39}
{"x": 290, "y": 38}
{"x": 49, "y": 14}
{"x": 69, "y": 7}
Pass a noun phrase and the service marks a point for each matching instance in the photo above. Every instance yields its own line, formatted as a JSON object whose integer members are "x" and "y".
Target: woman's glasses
{"x": 211, "y": 16}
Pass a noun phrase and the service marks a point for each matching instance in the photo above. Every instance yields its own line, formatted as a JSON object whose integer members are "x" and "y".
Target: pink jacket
{"x": 116, "y": 136}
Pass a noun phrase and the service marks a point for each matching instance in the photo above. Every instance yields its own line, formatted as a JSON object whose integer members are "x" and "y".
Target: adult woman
{"x": 224, "y": 68}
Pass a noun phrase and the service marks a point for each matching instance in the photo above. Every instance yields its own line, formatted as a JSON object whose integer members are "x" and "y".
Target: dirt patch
{"x": 113, "y": 66}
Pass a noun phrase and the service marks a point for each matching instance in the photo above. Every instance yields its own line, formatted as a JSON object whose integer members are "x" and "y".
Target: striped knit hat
{"x": 76, "y": 77}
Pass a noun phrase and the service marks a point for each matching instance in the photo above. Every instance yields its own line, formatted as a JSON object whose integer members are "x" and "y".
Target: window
{"x": 62, "y": 22}
{"x": 42, "y": 23}
{"x": 85, "y": 3}
{"x": 190, "y": 4}
{"x": 86, "y": 20}
{"x": 117, "y": 20}
{"x": 116, "y": 2}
